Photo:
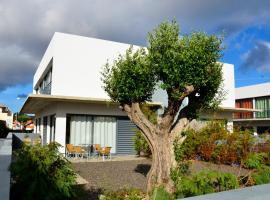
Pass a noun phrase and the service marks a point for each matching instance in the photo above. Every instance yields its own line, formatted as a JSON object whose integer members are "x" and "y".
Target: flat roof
{"x": 257, "y": 90}
{"x": 36, "y": 102}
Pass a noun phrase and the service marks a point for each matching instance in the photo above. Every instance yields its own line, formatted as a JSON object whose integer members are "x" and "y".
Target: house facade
{"x": 6, "y": 115}
{"x": 70, "y": 105}
{"x": 255, "y": 97}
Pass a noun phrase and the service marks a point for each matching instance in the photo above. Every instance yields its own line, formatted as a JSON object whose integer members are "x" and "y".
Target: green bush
{"x": 204, "y": 182}
{"x": 41, "y": 172}
{"x": 124, "y": 194}
{"x": 140, "y": 144}
{"x": 254, "y": 161}
{"x": 262, "y": 175}
{"x": 161, "y": 194}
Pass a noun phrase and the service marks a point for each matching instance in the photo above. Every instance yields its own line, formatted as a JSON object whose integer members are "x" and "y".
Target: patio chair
{"x": 70, "y": 150}
{"x": 79, "y": 151}
{"x": 98, "y": 149}
{"x": 106, "y": 152}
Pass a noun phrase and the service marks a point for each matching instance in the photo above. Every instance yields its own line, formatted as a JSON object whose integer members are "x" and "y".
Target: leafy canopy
{"x": 170, "y": 62}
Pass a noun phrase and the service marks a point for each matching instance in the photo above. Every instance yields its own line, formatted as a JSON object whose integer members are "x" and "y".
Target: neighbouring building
{"x": 256, "y": 97}
{"x": 70, "y": 105}
{"x": 6, "y": 115}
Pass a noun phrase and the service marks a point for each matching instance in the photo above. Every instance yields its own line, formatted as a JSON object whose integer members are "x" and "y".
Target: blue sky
{"x": 27, "y": 27}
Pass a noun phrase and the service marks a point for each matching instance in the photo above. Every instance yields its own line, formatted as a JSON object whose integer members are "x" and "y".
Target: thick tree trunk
{"x": 160, "y": 138}
{"x": 162, "y": 163}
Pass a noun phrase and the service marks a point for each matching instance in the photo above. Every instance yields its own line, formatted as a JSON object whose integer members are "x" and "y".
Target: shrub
{"x": 41, "y": 173}
{"x": 261, "y": 175}
{"x": 205, "y": 182}
{"x": 161, "y": 194}
{"x": 254, "y": 161}
{"x": 214, "y": 143}
{"x": 124, "y": 194}
{"x": 140, "y": 144}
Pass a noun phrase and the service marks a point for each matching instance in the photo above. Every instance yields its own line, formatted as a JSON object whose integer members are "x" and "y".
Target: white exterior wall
{"x": 78, "y": 61}
{"x": 77, "y": 64}
{"x": 258, "y": 90}
{"x": 229, "y": 85}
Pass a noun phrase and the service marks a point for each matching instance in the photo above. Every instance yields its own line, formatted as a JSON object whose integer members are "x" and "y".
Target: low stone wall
{"x": 18, "y": 139}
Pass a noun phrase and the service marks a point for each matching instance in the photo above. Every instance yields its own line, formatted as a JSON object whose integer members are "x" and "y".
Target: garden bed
{"x": 112, "y": 176}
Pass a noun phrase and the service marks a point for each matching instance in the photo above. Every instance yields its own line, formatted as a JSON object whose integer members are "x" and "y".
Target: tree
{"x": 185, "y": 67}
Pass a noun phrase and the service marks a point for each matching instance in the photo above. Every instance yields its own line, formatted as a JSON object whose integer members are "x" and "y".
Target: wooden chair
{"x": 106, "y": 152}
{"x": 70, "y": 150}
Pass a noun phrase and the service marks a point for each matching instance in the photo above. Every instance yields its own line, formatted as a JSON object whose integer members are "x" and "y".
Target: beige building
{"x": 6, "y": 115}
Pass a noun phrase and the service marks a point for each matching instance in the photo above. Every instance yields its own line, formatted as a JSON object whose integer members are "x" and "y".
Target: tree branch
{"x": 136, "y": 115}
{"x": 173, "y": 108}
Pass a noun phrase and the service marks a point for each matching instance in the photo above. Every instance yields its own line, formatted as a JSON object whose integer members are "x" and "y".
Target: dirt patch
{"x": 200, "y": 165}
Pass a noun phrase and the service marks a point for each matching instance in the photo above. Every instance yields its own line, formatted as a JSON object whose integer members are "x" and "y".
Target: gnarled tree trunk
{"x": 163, "y": 160}
{"x": 160, "y": 138}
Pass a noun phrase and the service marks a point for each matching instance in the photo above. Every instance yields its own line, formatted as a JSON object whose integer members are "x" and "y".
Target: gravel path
{"x": 113, "y": 175}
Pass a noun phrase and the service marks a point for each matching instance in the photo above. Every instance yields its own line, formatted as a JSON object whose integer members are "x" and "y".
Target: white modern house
{"x": 255, "y": 97}
{"x": 70, "y": 105}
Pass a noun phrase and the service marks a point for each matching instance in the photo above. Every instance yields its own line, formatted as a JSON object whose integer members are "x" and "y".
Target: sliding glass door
{"x": 105, "y": 131}
{"x": 89, "y": 130}
{"x": 263, "y": 103}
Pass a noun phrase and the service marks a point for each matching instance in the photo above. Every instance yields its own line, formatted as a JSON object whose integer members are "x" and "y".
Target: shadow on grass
{"x": 143, "y": 169}
{"x": 85, "y": 193}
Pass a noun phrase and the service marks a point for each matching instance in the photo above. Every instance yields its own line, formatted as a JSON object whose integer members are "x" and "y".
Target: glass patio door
{"x": 89, "y": 130}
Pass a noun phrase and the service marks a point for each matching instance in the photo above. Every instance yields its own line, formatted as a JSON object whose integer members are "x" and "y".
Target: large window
{"x": 88, "y": 130}
{"x": 45, "y": 85}
{"x": 263, "y": 103}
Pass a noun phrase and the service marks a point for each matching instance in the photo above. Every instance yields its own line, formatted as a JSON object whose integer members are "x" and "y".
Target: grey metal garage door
{"x": 125, "y": 132}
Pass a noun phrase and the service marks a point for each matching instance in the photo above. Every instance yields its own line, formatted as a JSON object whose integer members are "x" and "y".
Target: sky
{"x": 26, "y": 28}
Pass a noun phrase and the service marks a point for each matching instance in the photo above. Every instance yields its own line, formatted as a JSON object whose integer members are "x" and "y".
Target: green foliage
{"x": 254, "y": 161}
{"x": 129, "y": 78}
{"x": 189, "y": 60}
{"x": 205, "y": 182}
{"x": 161, "y": 194}
{"x": 171, "y": 63}
{"x": 124, "y": 194}
{"x": 262, "y": 175}
{"x": 41, "y": 173}
{"x": 140, "y": 144}
{"x": 24, "y": 118}
{"x": 4, "y": 130}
